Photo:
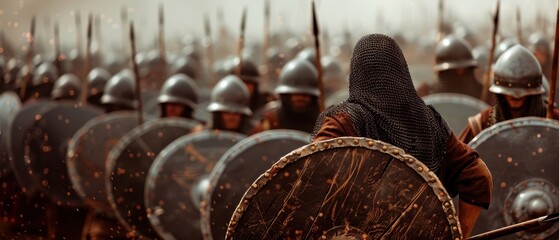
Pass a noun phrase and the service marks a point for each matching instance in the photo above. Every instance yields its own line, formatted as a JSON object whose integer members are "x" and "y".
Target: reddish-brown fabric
{"x": 462, "y": 173}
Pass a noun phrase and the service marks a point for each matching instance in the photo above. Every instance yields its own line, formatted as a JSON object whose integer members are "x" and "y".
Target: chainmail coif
{"x": 384, "y": 105}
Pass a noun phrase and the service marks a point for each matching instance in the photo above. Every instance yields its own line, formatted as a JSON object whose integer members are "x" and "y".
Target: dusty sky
{"x": 413, "y": 17}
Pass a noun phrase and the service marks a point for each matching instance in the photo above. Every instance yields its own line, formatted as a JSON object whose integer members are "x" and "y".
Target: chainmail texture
{"x": 384, "y": 105}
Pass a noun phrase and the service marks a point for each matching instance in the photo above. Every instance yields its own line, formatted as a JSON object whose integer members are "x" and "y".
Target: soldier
{"x": 178, "y": 97}
{"x": 119, "y": 93}
{"x": 383, "y": 105}
{"x": 67, "y": 87}
{"x": 298, "y": 91}
{"x": 539, "y": 46}
{"x": 455, "y": 67}
{"x": 229, "y": 106}
{"x": 518, "y": 91}
{"x": 43, "y": 80}
{"x": 251, "y": 77}
{"x": 98, "y": 78}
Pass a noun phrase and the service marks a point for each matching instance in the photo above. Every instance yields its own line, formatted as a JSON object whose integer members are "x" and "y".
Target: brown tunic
{"x": 462, "y": 172}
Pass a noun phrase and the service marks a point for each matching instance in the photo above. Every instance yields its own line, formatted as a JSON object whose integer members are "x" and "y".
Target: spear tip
{"x": 314, "y": 20}
{"x": 244, "y": 19}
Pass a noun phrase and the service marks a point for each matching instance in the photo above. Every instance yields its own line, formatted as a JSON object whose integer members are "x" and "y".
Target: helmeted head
{"x": 230, "y": 94}
{"x": 178, "y": 96}
{"x": 503, "y": 46}
{"x": 249, "y": 70}
{"x": 517, "y": 73}
{"x": 540, "y": 47}
{"x": 298, "y": 76}
{"x": 67, "y": 87}
{"x": 43, "y": 80}
{"x": 453, "y": 53}
{"x": 119, "y": 92}
{"x": 334, "y": 77}
{"x": 186, "y": 66}
{"x": 97, "y": 79}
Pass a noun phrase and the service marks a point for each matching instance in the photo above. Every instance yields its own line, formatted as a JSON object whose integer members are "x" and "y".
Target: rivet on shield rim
{"x": 266, "y": 174}
{"x": 325, "y": 144}
{"x": 340, "y": 142}
{"x": 410, "y": 160}
{"x": 420, "y": 169}
{"x": 239, "y": 210}
{"x": 254, "y": 185}
{"x": 371, "y": 143}
{"x": 447, "y": 204}
{"x": 454, "y": 228}
{"x": 450, "y": 216}
{"x": 384, "y": 148}
{"x": 395, "y": 152}
{"x": 355, "y": 141}
{"x": 313, "y": 148}
{"x": 441, "y": 193}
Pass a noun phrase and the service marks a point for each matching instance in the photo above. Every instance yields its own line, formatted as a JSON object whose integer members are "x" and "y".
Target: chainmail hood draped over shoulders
{"x": 384, "y": 105}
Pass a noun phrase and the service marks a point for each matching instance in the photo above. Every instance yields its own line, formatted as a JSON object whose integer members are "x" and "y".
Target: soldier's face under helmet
{"x": 174, "y": 109}
{"x": 231, "y": 121}
{"x": 298, "y": 102}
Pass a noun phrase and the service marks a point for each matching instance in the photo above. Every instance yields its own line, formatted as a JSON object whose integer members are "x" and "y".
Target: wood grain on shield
{"x": 350, "y": 191}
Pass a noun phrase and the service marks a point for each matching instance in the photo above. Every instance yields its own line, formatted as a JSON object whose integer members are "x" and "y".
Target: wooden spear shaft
{"x": 136, "y": 74}
{"x": 316, "y": 34}
{"x": 553, "y": 80}
{"x": 485, "y": 90}
{"x": 85, "y": 83}
{"x": 241, "y": 43}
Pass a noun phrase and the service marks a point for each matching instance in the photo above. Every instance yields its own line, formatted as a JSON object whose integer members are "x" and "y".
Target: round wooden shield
{"x": 45, "y": 149}
{"x": 9, "y": 106}
{"x": 346, "y": 188}
{"x": 455, "y": 108}
{"x": 128, "y": 164}
{"x": 18, "y": 130}
{"x": 176, "y": 179}
{"x": 88, "y": 151}
{"x": 522, "y": 157}
{"x": 237, "y": 170}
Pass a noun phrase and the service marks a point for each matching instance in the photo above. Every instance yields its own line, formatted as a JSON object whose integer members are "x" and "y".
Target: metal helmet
{"x": 453, "y": 52}
{"x": 230, "y": 94}
{"x": 119, "y": 91}
{"x": 68, "y": 86}
{"x": 503, "y": 46}
{"x": 97, "y": 78}
{"x": 249, "y": 70}
{"x": 186, "y": 66}
{"x": 517, "y": 73}
{"x": 45, "y": 73}
{"x": 308, "y": 54}
{"x": 539, "y": 42}
{"x": 12, "y": 69}
{"x": 298, "y": 76}
{"x": 24, "y": 72}
{"x": 179, "y": 88}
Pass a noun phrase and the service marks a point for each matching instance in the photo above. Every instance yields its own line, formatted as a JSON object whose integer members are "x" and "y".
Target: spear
{"x": 517, "y": 227}
{"x": 161, "y": 36}
{"x": 136, "y": 73}
{"x": 85, "y": 84}
{"x": 124, "y": 23}
{"x": 30, "y": 40}
{"x": 440, "y": 23}
{"x": 316, "y": 34}
{"x": 519, "y": 26}
{"x": 553, "y": 80}
{"x": 485, "y": 90}
{"x": 98, "y": 36}
{"x": 241, "y": 42}
{"x": 266, "y": 42}
{"x": 209, "y": 48}
{"x": 58, "y": 57}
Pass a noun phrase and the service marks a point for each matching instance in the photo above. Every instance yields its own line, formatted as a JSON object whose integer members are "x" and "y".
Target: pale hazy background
{"x": 414, "y": 19}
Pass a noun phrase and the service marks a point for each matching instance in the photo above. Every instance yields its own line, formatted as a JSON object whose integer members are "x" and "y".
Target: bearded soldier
{"x": 229, "y": 107}
{"x": 298, "y": 91}
{"x": 251, "y": 77}
{"x": 178, "y": 97}
{"x": 455, "y": 69}
{"x": 383, "y": 105}
{"x": 517, "y": 85}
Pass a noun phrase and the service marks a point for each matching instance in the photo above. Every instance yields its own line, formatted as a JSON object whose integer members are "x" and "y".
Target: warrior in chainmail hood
{"x": 383, "y": 104}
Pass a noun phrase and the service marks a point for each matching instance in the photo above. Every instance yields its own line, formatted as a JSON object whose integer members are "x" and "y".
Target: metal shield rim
{"x": 171, "y": 148}
{"x": 455, "y": 98}
{"x": 397, "y": 153}
{"x": 489, "y": 132}
{"x": 230, "y": 155}
{"x": 124, "y": 142}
